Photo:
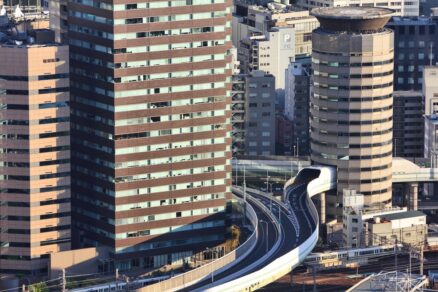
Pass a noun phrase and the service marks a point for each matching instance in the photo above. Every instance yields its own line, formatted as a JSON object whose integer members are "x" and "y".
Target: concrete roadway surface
{"x": 299, "y": 202}
{"x": 286, "y": 245}
{"x": 258, "y": 252}
{"x": 296, "y": 196}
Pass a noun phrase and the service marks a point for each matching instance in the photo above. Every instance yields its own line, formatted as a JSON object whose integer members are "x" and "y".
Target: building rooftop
{"x": 354, "y": 19}
{"x": 348, "y": 13}
{"x": 414, "y": 20}
{"x": 402, "y": 164}
{"x": 275, "y": 8}
{"x": 403, "y": 215}
{"x": 390, "y": 281}
{"x": 17, "y": 30}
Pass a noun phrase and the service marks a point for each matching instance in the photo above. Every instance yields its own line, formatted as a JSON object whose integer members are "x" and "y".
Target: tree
{"x": 39, "y": 287}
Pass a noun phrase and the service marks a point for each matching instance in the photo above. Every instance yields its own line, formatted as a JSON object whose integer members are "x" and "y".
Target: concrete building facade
{"x": 151, "y": 100}
{"x": 430, "y": 90}
{"x": 414, "y": 48}
{"x": 284, "y": 140}
{"x": 260, "y": 122}
{"x": 296, "y": 109}
{"x": 35, "y": 193}
{"x": 250, "y": 19}
{"x": 408, "y": 228}
{"x": 351, "y": 104}
{"x": 355, "y": 217}
{"x": 426, "y": 7}
{"x": 238, "y": 112}
{"x": 408, "y": 133}
{"x": 431, "y": 139}
{"x": 270, "y": 53}
{"x": 58, "y": 18}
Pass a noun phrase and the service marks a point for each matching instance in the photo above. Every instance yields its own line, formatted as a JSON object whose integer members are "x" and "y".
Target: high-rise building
{"x": 401, "y": 7}
{"x": 253, "y": 114}
{"x": 430, "y": 90}
{"x": 297, "y": 98}
{"x": 426, "y": 7}
{"x": 430, "y": 95}
{"x": 414, "y": 48}
{"x": 58, "y": 14}
{"x": 34, "y": 152}
{"x": 150, "y": 127}
{"x": 408, "y": 140}
{"x": 284, "y": 142}
{"x": 270, "y": 53}
{"x": 238, "y": 107}
{"x": 430, "y": 102}
{"x": 351, "y": 102}
{"x": 260, "y": 124}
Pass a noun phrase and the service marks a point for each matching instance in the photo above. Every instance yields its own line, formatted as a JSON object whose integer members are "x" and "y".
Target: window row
{"x": 145, "y": 5}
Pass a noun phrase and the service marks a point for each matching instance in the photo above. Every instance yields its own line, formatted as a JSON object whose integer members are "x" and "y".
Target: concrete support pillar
{"x": 322, "y": 216}
{"x": 411, "y": 192}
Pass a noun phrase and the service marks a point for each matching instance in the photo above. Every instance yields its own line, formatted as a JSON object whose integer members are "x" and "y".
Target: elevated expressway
{"x": 299, "y": 210}
{"x": 299, "y": 215}
{"x": 267, "y": 237}
{"x": 284, "y": 234}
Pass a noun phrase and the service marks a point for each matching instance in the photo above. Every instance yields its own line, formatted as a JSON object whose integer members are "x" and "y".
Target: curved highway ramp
{"x": 302, "y": 237}
{"x": 294, "y": 226}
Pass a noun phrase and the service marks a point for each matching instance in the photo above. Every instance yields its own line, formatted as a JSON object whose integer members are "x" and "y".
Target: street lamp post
{"x": 267, "y": 234}
{"x": 298, "y": 151}
{"x": 214, "y": 253}
{"x": 271, "y": 194}
{"x": 279, "y": 214}
{"x": 244, "y": 194}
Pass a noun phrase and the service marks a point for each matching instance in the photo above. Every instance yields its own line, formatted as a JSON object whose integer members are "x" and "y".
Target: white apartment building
{"x": 262, "y": 19}
{"x": 270, "y": 53}
{"x": 430, "y": 90}
{"x": 430, "y": 95}
{"x": 355, "y": 216}
{"x": 402, "y": 7}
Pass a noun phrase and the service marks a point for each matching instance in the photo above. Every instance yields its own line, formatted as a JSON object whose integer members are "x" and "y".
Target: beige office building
{"x": 34, "y": 153}
{"x": 351, "y": 105}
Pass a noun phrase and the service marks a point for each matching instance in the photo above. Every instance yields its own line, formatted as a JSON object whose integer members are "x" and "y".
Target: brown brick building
{"x": 34, "y": 154}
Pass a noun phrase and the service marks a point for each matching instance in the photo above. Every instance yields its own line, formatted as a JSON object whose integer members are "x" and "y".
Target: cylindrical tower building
{"x": 351, "y": 103}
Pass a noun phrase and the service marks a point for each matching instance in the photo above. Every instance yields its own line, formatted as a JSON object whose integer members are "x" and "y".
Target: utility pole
{"x": 298, "y": 151}
{"x": 395, "y": 254}
{"x": 64, "y": 282}
{"x": 421, "y": 258}
{"x": 410, "y": 263}
{"x": 314, "y": 277}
